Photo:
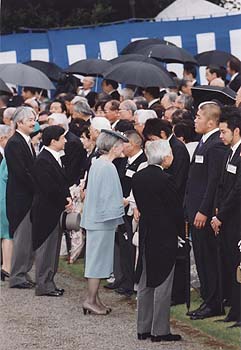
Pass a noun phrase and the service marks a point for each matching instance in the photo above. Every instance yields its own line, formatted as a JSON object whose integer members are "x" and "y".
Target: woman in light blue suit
{"x": 7, "y": 243}
{"x": 102, "y": 213}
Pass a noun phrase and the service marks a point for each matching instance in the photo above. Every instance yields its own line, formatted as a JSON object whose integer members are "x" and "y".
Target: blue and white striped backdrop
{"x": 67, "y": 46}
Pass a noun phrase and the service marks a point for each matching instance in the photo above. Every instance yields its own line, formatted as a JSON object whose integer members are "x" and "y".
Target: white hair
{"x": 99, "y": 123}
{"x": 77, "y": 99}
{"x": 105, "y": 142}
{"x": 144, "y": 114}
{"x": 9, "y": 112}
{"x": 60, "y": 119}
{"x": 5, "y": 130}
{"x": 127, "y": 94}
{"x": 156, "y": 151}
{"x": 128, "y": 105}
{"x": 23, "y": 112}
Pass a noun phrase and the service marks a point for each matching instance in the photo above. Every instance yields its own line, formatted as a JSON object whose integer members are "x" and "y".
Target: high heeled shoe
{"x": 88, "y": 309}
{"x": 4, "y": 274}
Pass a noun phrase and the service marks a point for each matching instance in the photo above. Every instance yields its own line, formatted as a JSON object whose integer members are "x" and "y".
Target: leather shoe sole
{"x": 54, "y": 293}
{"x": 205, "y": 314}
{"x": 60, "y": 290}
{"x": 167, "y": 337}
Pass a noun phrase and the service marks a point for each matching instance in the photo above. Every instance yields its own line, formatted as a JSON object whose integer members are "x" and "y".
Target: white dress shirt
{"x": 133, "y": 158}
{"x": 208, "y": 134}
{"x": 55, "y": 154}
{"x": 234, "y": 148}
{"x": 156, "y": 100}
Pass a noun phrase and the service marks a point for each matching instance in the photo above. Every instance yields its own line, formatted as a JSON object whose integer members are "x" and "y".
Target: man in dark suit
{"x": 204, "y": 174}
{"x": 228, "y": 203}
{"x": 74, "y": 155}
{"x": 234, "y": 68}
{"x": 161, "y": 221}
{"x": 161, "y": 129}
{"x": 51, "y": 197}
{"x": 110, "y": 87}
{"x": 152, "y": 95}
{"x": 127, "y": 167}
{"x": 85, "y": 90}
{"x": 20, "y": 156}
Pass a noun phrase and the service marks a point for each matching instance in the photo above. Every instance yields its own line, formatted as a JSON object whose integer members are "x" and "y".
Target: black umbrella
{"x": 203, "y": 93}
{"x": 93, "y": 67}
{"x": 21, "y": 74}
{"x": 187, "y": 267}
{"x": 4, "y": 88}
{"x": 139, "y": 58}
{"x": 168, "y": 53}
{"x": 134, "y": 46}
{"x": 51, "y": 69}
{"x": 139, "y": 74}
{"x": 213, "y": 57}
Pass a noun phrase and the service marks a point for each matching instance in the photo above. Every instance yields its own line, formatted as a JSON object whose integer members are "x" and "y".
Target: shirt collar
{"x": 235, "y": 147}
{"x": 114, "y": 124}
{"x": 133, "y": 158}
{"x": 27, "y": 138}
{"x": 208, "y": 134}
{"x": 169, "y": 138}
{"x": 153, "y": 101}
{"x": 234, "y": 76}
{"x": 2, "y": 150}
{"x": 54, "y": 153}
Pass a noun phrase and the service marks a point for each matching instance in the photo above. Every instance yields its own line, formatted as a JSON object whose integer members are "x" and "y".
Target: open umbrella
{"x": 213, "y": 57}
{"x": 142, "y": 74}
{"x": 139, "y": 58}
{"x": 167, "y": 53}
{"x": 21, "y": 74}
{"x": 51, "y": 69}
{"x": 134, "y": 46}
{"x": 224, "y": 95}
{"x": 93, "y": 67}
{"x": 4, "y": 88}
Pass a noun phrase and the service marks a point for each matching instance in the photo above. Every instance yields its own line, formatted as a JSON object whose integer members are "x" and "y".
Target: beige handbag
{"x": 238, "y": 274}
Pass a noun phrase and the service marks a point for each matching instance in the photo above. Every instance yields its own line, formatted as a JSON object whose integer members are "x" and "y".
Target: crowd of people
{"x": 141, "y": 163}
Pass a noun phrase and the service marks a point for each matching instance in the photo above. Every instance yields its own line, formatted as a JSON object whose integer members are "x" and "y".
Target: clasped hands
{"x": 201, "y": 219}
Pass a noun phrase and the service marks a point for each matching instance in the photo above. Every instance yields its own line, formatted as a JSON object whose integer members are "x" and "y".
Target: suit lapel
{"x": 25, "y": 145}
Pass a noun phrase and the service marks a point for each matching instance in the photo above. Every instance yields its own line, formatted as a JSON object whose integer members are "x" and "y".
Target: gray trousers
{"x": 46, "y": 262}
{"x": 23, "y": 256}
{"x": 153, "y": 305}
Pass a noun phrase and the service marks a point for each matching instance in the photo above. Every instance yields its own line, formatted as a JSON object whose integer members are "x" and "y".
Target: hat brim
{"x": 116, "y": 134}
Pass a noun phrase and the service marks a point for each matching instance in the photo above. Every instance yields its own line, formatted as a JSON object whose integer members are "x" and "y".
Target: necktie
{"x": 230, "y": 155}
{"x": 201, "y": 142}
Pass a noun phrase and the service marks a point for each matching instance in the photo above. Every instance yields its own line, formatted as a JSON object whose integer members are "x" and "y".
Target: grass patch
{"x": 219, "y": 331}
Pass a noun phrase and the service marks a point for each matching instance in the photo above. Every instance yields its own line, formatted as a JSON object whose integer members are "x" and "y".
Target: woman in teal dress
{"x": 102, "y": 213}
{"x": 7, "y": 243}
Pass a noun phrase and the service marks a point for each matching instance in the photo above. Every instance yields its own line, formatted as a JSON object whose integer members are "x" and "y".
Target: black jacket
{"x": 203, "y": 177}
{"x": 51, "y": 190}
{"x": 235, "y": 84}
{"x": 161, "y": 221}
{"x": 20, "y": 186}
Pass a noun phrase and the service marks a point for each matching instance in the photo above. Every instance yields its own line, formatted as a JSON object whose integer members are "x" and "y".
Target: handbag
{"x": 238, "y": 274}
{"x": 70, "y": 221}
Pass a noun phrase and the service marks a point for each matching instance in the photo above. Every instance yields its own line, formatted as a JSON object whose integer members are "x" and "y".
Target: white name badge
{"x": 199, "y": 159}
{"x": 232, "y": 169}
{"x": 129, "y": 173}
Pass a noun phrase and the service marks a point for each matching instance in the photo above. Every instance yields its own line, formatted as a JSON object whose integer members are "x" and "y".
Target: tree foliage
{"x": 16, "y": 14}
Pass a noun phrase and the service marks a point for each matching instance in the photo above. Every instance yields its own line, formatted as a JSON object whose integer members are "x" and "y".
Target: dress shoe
{"x": 112, "y": 286}
{"x": 201, "y": 307}
{"x": 4, "y": 274}
{"x": 54, "y": 293}
{"x": 60, "y": 290}
{"x": 143, "y": 336}
{"x": 24, "y": 285}
{"x": 167, "y": 337}
{"x": 92, "y": 309}
{"x": 205, "y": 313}
{"x": 237, "y": 324}
{"x": 125, "y": 292}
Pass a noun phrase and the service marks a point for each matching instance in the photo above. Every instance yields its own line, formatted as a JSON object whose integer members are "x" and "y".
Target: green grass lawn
{"x": 217, "y": 331}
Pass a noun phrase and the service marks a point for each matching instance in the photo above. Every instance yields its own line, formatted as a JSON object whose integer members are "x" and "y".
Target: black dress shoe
{"x": 24, "y": 285}
{"x": 167, "y": 337}
{"x": 237, "y": 324}
{"x": 201, "y": 307}
{"x": 205, "y": 313}
{"x": 126, "y": 292}
{"x": 4, "y": 274}
{"x": 54, "y": 293}
{"x": 60, "y": 290}
{"x": 143, "y": 336}
{"x": 112, "y": 286}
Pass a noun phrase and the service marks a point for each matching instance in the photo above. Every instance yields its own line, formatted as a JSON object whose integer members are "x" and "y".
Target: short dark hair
{"x": 86, "y": 131}
{"x": 52, "y": 132}
{"x": 33, "y": 90}
{"x": 235, "y": 64}
{"x": 113, "y": 83}
{"x": 232, "y": 116}
{"x": 61, "y": 102}
{"x": 153, "y": 91}
{"x": 155, "y": 126}
{"x": 124, "y": 125}
{"x": 214, "y": 69}
{"x": 191, "y": 69}
{"x": 115, "y": 104}
{"x": 185, "y": 129}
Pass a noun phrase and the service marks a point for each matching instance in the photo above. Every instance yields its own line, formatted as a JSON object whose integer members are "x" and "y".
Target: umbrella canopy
{"x": 4, "y": 88}
{"x": 93, "y": 67}
{"x": 213, "y": 57}
{"x": 203, "y": 93}
{"x": 168, "y": 53}
{"x": 134, "y": 46}
{"x": 142, "y": 74}
{"x": 51, "y": 69}
{"x": 21, "y": 74}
